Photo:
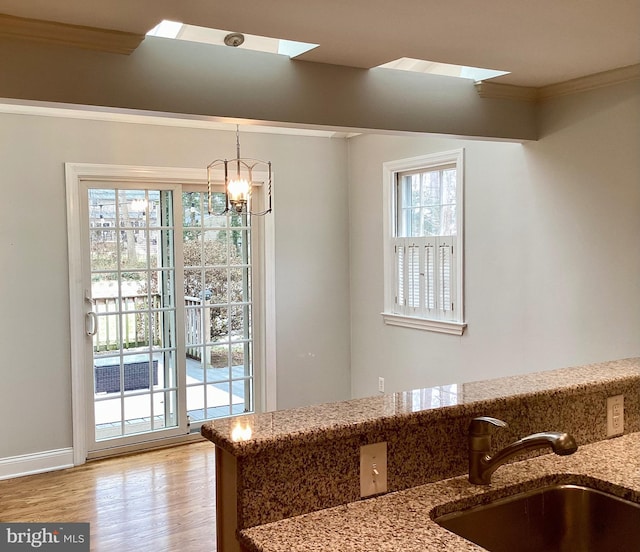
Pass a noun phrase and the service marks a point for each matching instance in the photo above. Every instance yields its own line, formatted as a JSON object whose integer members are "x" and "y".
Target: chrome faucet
{"x": 481, "y": 465}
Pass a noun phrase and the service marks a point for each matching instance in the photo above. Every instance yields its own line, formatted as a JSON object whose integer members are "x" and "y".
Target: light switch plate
{"x": 615, "y": 415}
{"x": 373, "y": 469}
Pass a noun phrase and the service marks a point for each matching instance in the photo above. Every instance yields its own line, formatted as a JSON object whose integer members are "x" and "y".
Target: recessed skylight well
{"x": 446, "y": 69}
{"x": 166, "y": 29}
{"x": 205, "y": 35}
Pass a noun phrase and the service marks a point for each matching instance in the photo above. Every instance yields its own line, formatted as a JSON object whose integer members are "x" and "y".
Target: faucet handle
{"x": 482, "y": 424}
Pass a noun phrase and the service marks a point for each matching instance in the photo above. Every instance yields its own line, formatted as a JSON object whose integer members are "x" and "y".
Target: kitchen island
{"x": 287, "y": 465}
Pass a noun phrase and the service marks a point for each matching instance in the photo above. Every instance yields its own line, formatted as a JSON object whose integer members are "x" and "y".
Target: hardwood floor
{"x": 158, "y": 501}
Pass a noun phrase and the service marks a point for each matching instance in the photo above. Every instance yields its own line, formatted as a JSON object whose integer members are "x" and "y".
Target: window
{"x": 424, "y": 242}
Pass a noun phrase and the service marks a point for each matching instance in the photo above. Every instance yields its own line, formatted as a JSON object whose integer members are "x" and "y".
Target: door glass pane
{"x": 239, "y": 321}
{"x": 218, "y": 205}
{"x": 107, "y": 338}
{"x": 103, "y": 250}
{"x": 192, "y": 209}
{"x": 236, "y": 289}
{"x": 137, "y": 413}
{"x": 216, "y": 285}
{"x": 220, "y": 326}
{"x": 132, "y": 286}
{"x": 108, "y": 417}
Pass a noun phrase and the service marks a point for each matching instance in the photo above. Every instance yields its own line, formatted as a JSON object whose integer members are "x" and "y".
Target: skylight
{"x": 166, "y": 29}
{"x": 193, "y": 33}
{"x": 446, "y": 69}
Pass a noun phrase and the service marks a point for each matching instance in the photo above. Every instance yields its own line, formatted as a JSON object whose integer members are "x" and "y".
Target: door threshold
{"x": 144, "y": 446}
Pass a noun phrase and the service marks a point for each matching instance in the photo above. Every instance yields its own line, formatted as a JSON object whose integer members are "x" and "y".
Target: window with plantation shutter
{"x": 424, "y": 282}
{"x": 424, "y": 243}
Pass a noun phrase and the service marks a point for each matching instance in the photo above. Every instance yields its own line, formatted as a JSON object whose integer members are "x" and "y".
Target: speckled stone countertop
{"x": 249, "y": 434}
{"x": 401, "y": 521}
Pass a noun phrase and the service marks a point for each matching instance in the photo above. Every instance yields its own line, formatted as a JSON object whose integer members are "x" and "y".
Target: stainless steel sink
{"x": 559, "y": 518}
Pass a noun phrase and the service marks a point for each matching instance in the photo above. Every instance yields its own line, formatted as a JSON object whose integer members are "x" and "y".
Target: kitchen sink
{"x": 558, "y": 518}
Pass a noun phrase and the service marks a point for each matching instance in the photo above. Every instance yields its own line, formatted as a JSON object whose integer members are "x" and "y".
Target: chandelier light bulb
{"x": 238, "y": 189}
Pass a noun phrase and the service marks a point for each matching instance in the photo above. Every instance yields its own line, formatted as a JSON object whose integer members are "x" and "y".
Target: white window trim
{"x": 440, "y": 326}
{"x": 389, "y": 172}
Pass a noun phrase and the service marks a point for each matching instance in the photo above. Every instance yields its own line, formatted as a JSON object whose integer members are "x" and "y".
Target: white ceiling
{"x": 540, "y": 42}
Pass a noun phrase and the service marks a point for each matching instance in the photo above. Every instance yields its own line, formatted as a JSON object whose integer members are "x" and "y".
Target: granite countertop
{"x": 402, "y": 520}
{"x": 249, "y": 434}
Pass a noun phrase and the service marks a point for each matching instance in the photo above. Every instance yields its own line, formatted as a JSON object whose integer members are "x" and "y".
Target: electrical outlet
{"x": 615, "y": 415}
{"x": 381, "y": 385}
{"x": 373, "y": 469}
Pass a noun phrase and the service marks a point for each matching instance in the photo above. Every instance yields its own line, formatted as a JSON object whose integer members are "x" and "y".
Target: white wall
{"x": 311, "y": 259}
{"x": 552, "y": 259}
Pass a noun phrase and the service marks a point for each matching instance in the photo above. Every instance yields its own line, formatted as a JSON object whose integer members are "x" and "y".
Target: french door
{"x": 167, "y": 311}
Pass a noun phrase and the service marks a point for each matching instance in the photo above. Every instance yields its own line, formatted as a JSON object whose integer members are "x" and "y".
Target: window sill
{"x": 438, "y": 326}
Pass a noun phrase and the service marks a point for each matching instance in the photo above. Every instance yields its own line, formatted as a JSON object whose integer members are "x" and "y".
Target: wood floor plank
{"x": 157, "y": 501}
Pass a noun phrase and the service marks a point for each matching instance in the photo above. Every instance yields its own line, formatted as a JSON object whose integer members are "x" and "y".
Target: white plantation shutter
{"x": 413, "y": 276}
{"x": 444, "y": 264}
{"x": 446, "y": 277}
{"x": 399, "y": 270}
{"x": 425, "y": 276}
{"x": 429, "y": 266}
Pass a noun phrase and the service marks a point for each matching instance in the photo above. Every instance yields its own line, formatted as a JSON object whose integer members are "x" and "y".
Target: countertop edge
{"x": 340, "y": 429}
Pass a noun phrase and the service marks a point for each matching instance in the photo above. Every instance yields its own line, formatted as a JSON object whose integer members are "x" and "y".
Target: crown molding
{"x": 487, "y": 89}
{"x": 590, "y": 82}
{"x": 78, "y": 36}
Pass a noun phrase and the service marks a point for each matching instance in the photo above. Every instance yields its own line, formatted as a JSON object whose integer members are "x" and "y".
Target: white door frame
{"x": 265, "y": 371}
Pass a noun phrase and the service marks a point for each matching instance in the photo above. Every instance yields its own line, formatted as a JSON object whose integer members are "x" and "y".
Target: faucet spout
{"x": 482, "y": 466}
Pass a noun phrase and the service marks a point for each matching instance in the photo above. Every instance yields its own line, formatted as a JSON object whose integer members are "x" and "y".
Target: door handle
{"x": 91, "y": 324}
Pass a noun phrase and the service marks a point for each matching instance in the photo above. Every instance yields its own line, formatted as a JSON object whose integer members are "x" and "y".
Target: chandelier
{"x": 238, "y": 182}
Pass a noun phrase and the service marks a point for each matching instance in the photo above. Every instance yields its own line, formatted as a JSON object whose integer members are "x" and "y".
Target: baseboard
{"x": 28, "y": 464}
